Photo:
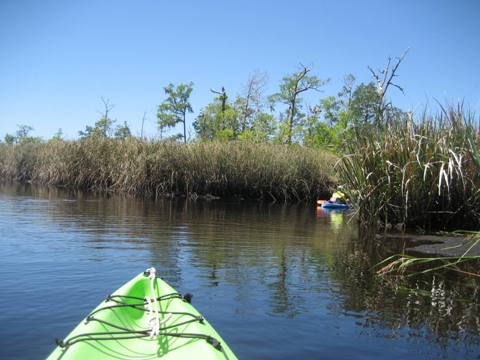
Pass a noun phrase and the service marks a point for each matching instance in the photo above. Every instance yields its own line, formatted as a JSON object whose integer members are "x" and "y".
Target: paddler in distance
{"x": 338, "y": 197}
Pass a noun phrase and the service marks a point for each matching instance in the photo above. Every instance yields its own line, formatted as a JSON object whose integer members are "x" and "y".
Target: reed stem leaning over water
{"x": 400, "y": 263}
{"x": 421, "y": 173}
{"x": 152, "y": 168}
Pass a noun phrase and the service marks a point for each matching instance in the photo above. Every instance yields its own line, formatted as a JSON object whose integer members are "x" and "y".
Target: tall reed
{"x": 421, "y": 173}
{"x": 157, "y": 168}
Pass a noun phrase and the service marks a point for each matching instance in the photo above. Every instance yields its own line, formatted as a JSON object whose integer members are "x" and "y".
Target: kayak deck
{"x": 119, "y": 328}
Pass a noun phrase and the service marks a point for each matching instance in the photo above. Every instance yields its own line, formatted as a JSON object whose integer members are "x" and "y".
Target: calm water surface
{"x": 275, "y": 281}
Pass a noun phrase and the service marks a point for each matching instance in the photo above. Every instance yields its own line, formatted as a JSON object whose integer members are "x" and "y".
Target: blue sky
{"x": 58, "y": 58}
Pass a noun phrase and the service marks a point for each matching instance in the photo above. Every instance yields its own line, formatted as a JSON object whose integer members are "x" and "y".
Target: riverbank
{"x": 155, "y": 168}
{"x": 446, "y": 245}
{"x": 415, "y": 173}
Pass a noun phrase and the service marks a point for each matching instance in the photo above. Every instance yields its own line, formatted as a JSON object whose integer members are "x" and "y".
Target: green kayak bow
{"x": 144, "y": 319}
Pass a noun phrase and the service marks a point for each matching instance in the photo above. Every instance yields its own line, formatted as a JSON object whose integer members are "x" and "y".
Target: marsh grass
{"x": 401, "y": 263}
{"x": 419, "y": 174}
{"x": 134, "y": 166}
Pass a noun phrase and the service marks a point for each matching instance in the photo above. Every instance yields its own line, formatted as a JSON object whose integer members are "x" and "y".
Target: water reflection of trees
{"x": 280, "y": 250}
{"x": 281, "y": 257}
{"x": 118, "y": 227}
{"x": 276, "y": 249}
{"x": 439, "y": 308}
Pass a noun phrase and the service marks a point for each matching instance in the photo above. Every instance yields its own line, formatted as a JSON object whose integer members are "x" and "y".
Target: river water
{"x": 276, "y": 281}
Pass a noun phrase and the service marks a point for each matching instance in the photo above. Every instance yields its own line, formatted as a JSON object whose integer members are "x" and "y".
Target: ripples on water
{"x": 276, "y": 281}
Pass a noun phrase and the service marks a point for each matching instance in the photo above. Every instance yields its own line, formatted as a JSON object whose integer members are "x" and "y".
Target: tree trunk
{"x": 290, "y": 121}
{"x": 184, "y": 130}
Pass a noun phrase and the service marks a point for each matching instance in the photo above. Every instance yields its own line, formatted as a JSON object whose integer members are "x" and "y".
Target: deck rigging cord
{"x": 156, "y": 326}
{"x": 153, "y": 315}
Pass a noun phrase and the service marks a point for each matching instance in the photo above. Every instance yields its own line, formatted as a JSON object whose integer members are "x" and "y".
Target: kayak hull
{"x": 329, "y": 205}
{"x": 119, "y": 328}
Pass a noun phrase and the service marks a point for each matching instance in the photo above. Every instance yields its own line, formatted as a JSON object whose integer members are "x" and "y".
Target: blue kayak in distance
{"x": 338, "y": 206}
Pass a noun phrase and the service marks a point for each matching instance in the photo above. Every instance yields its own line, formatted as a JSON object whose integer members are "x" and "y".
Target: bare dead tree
{"x": 143, "y": 122}
{"x": 223, "y": 97}
{"x": 252, "y": 96}
{"x": 385, "y": 79}
{"x": 104, "y": 125}
{"x": 347, "y": 90}
{"x": 107, "y": 107}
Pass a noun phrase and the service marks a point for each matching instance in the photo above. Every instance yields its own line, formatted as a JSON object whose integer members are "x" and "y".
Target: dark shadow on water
{"x": 441, "y": 308}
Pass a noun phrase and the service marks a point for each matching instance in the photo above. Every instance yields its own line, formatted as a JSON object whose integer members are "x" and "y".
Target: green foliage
{"x": 323, "y": 136}
{"x": 10, "y": 139}
{"x": 173, "y": 138}
{"x": 103, "y": 128}
{"x": 245, "y": 112}
{"x": 328, "y": 123}
{"x": 331, "y": 108}
{"x": 22, "y": 136}
{"x": 262, "y": 128}
{"x": 173, "y": 109}
{"x": 23, "y": 132}
{"x": 365, "y": 103}
{"x": 243, "y": 120}
{"x": 123, "y": 131}
{"x": 58, "y": 135}
{"x": 225, "y": 135}
{"x": 291, "y": 87}
{"x": 331, "y": 124}
{"x": 213, "y": 123}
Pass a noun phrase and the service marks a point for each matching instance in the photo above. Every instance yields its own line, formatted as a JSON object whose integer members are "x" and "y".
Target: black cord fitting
{"x": 187, "y": 297}
{"x": 59, "y": 342}
{"x": 214, "y": 342}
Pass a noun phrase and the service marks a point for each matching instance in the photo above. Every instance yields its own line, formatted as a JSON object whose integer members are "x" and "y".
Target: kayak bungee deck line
{"x": 144, "y": 319}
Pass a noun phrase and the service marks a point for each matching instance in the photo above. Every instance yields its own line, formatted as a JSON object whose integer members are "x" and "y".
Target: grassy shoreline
{"x": 154, "y": 169}
{"x": 421, "y": 174}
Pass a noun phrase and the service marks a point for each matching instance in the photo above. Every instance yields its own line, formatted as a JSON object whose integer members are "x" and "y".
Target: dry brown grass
{"x": 157, "y": 168}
